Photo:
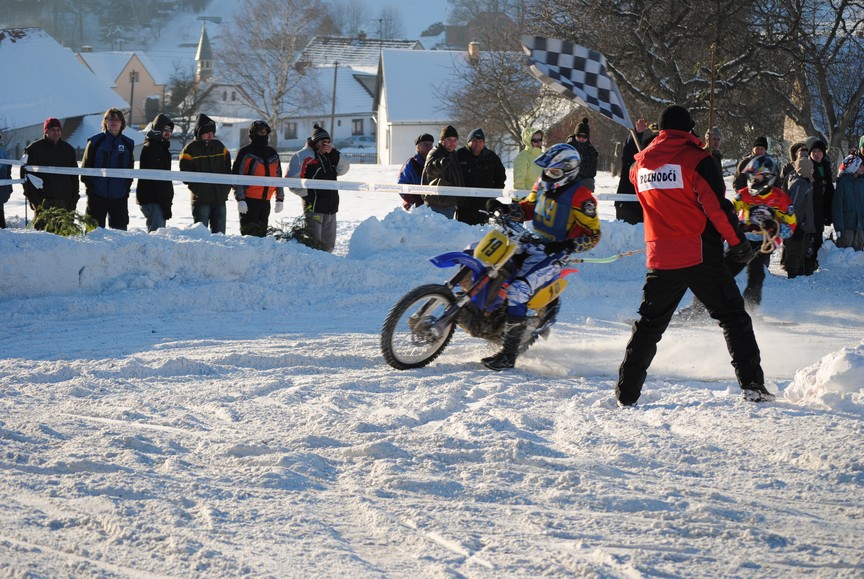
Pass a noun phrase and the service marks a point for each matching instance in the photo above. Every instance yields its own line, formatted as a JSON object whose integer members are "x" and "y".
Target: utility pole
{"x": 333, "y": 106}
{"x": 133, "y": 78}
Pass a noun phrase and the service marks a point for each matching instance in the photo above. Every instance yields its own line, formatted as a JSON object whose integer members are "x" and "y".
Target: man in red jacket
{"x": 687, "y": 218}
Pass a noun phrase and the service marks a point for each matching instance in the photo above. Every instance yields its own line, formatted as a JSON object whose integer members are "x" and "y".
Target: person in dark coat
{"x": 206, "y": 154}
{"x": 481, "y": 167}
{"x": 108, "y": 197}
{"x": 319, "y": 160}
{"x": 442, "y": 169}
{"x": 581, "y": 141}
{"x": 57, "y": 190}
{"x": 412, "y": 171}
{"x": 259, "y": 159}
{"x": 5, "y": 190}
{"x": 631, "y": 211}
{"x": 156, "y": 197}
{"x": 713, "y": 138}
{"x": 823, "y": 198}
{"x": 760, "y": 148}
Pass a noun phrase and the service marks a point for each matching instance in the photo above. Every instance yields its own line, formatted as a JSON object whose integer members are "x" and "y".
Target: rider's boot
{"x": 514, "y": 328}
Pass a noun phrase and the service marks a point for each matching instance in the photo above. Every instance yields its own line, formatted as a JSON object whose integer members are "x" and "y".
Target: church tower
{"x": 204, "y": 57}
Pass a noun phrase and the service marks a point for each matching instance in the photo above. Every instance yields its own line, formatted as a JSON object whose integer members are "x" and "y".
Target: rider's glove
{"x": 563, "y": 246}
{"x": 741, "y": 253}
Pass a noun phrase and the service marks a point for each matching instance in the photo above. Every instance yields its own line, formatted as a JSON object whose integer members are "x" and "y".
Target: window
{"x": 290, "y": 131}
{"x": 357, "y": 126}
{"x": 233, "y": 96}
{"x": 224, "y": 95}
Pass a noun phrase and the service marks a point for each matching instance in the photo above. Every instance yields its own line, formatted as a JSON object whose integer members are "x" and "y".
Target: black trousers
{"x": 116, "y": 210}
{"x": 715, "y": 287}
{"x": 254, "y": 221}
{"x": 755, "y": 273}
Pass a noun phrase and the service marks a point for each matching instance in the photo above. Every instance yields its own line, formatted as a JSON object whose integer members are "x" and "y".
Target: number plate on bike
{"x": 492, "y": 248}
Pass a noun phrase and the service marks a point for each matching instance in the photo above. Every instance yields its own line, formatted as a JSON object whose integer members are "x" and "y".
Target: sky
{"x": 181, "y": 404}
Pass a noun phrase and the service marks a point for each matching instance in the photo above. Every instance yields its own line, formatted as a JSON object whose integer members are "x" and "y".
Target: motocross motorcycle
{"x": 421, "y": 324}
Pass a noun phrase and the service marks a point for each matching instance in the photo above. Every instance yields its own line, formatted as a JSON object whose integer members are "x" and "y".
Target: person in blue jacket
{"x": 108, "y": 197}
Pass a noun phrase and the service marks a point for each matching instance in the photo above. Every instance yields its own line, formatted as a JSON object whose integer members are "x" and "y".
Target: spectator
{"x": 482, "y": 168}
{"x": 564, "y": 216}
{"x": 849, "y": 204}
{"x": 760, "y": 148}
{"x": 686, "y": 220}
{"x": 631, "y": 211}
{"x": 796, "y": 151}
{"x": 108, "y": 197}
{"x": 257, "y": 158}
{"x": 800, "y": 189}
{"x": 763, "y": 209}
{"x": 206, "y": 154}
{"x": 442, "y": 170}
{"x": 823, "y": 197}
{"x": 57, "y": 190}
{"x": 156, "y": 197}
{"x": 525, "y": 171}
{"x": 319, "y": 160}
{"x": 5, "y": 190}
{"x": 581, "y": 141}
{"x": 713, "y": 138}
{"x": 412, "y": 170}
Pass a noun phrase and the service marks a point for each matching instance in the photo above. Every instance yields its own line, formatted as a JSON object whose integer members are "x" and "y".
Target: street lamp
{"x": 133, "y": 78}
{"x": 333, "y": 106}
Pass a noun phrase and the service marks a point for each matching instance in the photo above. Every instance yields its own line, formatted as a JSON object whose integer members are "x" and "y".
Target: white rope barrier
{"x": 290, "y": 182}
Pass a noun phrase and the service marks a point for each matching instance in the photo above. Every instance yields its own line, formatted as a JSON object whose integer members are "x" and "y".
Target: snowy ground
{"x": 188, "y": 405}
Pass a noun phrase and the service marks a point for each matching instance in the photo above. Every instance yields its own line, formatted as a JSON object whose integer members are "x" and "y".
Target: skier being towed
{"x": 564, "y": 215}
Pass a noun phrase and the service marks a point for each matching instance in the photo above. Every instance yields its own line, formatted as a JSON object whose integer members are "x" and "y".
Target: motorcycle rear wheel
{"x": 408, "y": 339}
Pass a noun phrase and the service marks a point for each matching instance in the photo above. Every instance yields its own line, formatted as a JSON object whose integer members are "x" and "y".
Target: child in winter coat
{"x": 848, "y": 204}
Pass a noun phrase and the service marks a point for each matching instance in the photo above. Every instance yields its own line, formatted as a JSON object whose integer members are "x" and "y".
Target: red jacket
{"x": 687, "y": 215}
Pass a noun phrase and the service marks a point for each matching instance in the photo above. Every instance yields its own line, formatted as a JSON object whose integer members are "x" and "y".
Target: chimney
{"x": 473, "y": 52}
{"x": 361, "y": 35}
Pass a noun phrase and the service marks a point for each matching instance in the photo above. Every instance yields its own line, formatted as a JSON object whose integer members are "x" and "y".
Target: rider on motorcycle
{"x": 564, "y": 216}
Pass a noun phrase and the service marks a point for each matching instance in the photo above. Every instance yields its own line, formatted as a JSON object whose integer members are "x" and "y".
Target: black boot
{"x": 514, "y": 328}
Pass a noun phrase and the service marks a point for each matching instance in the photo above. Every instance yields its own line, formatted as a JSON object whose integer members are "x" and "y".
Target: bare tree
{"x": 186, "y": 96}
{"x": 390, "y": 23}
{"x": 259, "y": 51}
{"x": 349, "y": 17}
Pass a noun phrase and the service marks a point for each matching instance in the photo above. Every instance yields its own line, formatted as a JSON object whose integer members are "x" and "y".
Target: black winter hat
{"x": 676, "y": 118}
{"x": 257, "y": 126}
{"x": 761, "y": 142}
{"x": 162, "y": 122}
{"x": 448, "y": 131}
{"x": 319, "y": 134}
{"x": 476, "y": 134}
{"x": 204, "y": 124}
{"x": 424, "y": 138}
{"x": 818, "y": 145}
{"x": 583, "y": 128}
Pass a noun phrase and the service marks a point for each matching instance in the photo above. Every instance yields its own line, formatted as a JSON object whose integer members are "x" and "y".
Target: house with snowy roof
{"x": 51, "y": 83}
{"x": 134, "y": 78}
{"x": 360, "y": 52}
{"x": 409, "y": 103}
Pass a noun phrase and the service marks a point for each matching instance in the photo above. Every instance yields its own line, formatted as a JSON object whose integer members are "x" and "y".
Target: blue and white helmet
{"x": 560, "y": 165}
{"x": 762, "y": 172}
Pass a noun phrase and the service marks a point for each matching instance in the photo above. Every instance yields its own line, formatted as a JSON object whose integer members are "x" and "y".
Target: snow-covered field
{"x": 188, "y": 405}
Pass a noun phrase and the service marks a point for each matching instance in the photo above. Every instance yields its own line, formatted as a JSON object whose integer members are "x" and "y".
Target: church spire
{"x": 204, "y": 57}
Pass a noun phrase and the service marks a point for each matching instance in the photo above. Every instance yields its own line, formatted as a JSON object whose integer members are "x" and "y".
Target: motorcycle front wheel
{"x": 410, "y": 337}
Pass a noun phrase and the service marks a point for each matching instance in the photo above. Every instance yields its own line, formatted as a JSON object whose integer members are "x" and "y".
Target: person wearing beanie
{"x": 581, "y": 141}
{"x": 156, "y": 197}
{"x": 525, "y": 170}
{"x": 257, "y": 158}
{"x": 760, "y": 147}
{"x": 687, "y": 219}
{"x": 442, "y": 169}
{"x": 59, "y": 191}
{"x": 823, "y": 199}
{"x": 796, "y": 151}
{"x": 412, "y": 171}
{"x": 207, "y": 154}
{"x": 108, "y": 197}
{"x": 849, "y": 203}
{"x": 319, "y": 160}
{"x": 800, "y": 190}
{"x": 481, "y": 167}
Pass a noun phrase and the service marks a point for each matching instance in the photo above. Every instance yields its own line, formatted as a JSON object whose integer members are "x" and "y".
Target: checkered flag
{"x": 577, "y": 73}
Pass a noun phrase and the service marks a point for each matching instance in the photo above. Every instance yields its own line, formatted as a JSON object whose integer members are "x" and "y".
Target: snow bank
{"x": 835, "y": 382}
